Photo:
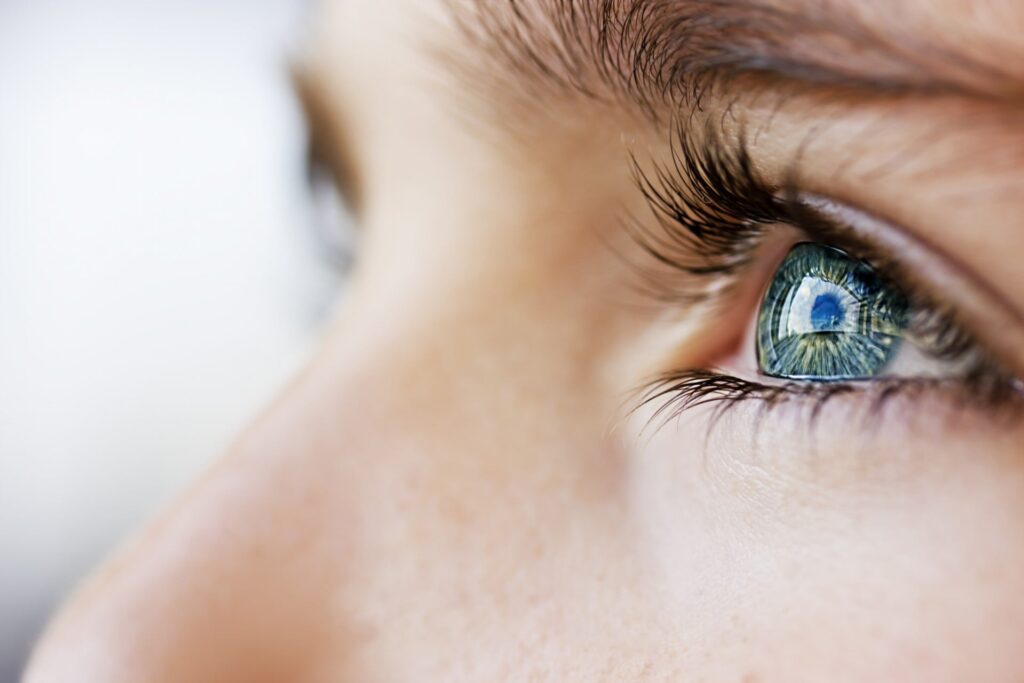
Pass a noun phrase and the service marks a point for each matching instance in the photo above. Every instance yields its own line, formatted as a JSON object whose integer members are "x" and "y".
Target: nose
{"x": 275, "y": 565}
{"x": 235, "y": 582}
{"x": 359, "y": 513}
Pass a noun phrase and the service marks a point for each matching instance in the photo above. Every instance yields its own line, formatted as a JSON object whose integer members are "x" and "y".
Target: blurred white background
{"x": 158, "y": 278}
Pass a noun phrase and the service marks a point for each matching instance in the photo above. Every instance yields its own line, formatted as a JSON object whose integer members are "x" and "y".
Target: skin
{"x": 458, "y": 488}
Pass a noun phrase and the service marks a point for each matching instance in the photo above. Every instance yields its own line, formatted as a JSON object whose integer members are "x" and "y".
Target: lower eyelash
{"x": 678, "y": 392}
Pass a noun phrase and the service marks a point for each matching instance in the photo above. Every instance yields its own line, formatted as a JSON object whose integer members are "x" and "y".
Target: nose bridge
{"x": 398, "y": 449}
{"x": 225, "y": 586}
{"x": 238, "y": 580}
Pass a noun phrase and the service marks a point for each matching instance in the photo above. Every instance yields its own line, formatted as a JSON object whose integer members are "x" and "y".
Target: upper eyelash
{"x": 710, "y": 205}
{"x": 713, "y": 211}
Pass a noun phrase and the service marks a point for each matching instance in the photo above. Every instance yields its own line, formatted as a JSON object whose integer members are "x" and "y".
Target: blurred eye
{"x": 330, "y": 241}
{"x": 827, "y": 316}
{"x": 332, "y": 221}
{"x": 329, "y": 176}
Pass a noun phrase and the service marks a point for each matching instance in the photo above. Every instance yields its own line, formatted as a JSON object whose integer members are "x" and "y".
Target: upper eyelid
{"x": 869, "y": 227}
{"x": 926, "y": 182}
{"x": 717, "y": 166}
{"x": 922, "y": 269}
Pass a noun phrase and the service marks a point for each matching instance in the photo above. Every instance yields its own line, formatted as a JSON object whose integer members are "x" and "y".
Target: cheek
{"x": 794, "y": 550}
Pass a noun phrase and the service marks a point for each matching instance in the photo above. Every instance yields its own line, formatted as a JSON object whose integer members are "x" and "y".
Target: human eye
{"x": 330, "y": 182}
{"x": 829, "y": 311}
{"x": 827, "y": 316}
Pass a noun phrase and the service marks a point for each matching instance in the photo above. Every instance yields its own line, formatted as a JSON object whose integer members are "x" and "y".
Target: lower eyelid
{"x": 911, "y": 361}
{"x": 859, "y": 406}
{"x": 723, "y": 395}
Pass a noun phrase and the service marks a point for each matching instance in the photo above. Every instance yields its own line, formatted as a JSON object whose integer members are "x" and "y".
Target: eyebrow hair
{"x": 661, "y": 53}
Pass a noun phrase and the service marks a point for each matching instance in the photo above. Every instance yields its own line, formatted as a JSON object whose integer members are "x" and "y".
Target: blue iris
{"x": 827, "y": 316}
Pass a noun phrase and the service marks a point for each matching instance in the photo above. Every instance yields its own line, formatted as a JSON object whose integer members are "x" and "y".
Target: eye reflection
{"x": 827, "y": 316}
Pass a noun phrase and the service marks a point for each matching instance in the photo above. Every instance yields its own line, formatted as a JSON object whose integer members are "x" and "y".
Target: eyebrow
{"x": 661, "y": 53}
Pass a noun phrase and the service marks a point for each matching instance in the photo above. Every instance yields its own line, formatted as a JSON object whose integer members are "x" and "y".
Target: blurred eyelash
{"x": 713, "y": 212}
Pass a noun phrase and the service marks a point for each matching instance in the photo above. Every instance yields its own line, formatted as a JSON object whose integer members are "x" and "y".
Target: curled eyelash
{"x": 713, "y": 212}
{"x": 711, "y": 209}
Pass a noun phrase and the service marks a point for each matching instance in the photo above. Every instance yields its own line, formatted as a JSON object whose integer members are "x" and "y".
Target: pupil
{"x": 826, "y": 313}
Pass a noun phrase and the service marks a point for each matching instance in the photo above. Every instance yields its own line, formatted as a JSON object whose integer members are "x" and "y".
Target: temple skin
{"x": 457, "y": 487}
